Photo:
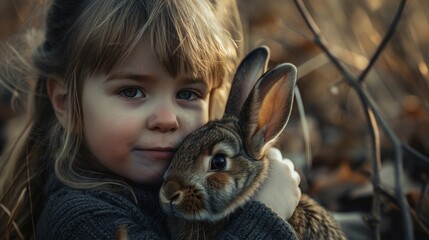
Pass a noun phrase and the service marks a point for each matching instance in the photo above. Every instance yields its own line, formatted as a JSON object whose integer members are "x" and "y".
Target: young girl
{"x": 119, "y": 85}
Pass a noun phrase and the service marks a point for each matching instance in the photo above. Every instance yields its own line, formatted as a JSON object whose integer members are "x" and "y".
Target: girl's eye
{"x": 187, "y": 95}
{"x": 218, "y": 162}
{"x": 132, "y": 93}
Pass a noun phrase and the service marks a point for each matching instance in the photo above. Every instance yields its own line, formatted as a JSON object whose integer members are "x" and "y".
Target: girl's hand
{"x": 280, "y": 191}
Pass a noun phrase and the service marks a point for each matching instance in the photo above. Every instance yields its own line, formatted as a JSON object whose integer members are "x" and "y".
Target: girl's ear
{"x": 268, "y": 107}
{"x": 57, "y": 94}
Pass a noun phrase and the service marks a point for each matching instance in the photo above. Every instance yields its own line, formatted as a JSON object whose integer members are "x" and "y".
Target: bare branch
{"x": 392, "y": 198}
{"x": 385, "y": 41}
{"x": 369, "y": 106}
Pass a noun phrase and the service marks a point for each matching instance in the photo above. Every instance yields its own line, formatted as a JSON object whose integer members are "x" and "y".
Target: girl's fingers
{"x": 274, "y": 154}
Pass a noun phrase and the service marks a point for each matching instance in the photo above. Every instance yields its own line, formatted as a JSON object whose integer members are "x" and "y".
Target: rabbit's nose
{"x": 172, "y": 192}
{"x": 176, "y": 197}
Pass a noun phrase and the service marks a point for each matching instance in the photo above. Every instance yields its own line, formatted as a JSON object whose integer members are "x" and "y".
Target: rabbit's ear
{"x": 268, "y": 107}
{"x": 248, "y": 72}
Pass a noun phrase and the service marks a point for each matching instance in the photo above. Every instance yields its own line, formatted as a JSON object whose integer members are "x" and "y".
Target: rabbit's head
{"x": 219, "y": 166}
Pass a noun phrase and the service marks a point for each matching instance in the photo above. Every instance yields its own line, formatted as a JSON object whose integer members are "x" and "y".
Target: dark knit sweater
{"x": 97, "y": 214}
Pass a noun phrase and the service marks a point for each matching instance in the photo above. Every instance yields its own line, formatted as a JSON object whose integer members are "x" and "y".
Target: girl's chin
{"x": 153, "y": 176}
{"x": 150, "y": 181}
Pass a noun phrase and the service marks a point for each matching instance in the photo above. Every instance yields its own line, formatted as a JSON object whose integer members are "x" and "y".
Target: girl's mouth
{"x": 156, "y": 153}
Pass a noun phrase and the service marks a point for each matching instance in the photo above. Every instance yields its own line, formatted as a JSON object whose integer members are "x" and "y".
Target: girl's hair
{"x": 84, "y": 36}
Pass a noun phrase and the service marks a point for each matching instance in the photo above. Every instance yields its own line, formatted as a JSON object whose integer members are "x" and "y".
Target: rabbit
{"x": 219, "y": 166}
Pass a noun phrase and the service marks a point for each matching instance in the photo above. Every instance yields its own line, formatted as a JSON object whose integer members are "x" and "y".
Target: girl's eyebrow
{"x": 193, "y": 80}
{"x": 126, "y": 75}
{"x": 142, "y": 77}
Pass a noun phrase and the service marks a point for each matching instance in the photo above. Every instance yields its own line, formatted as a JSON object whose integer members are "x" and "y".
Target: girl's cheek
{"x": 109, "y": 135}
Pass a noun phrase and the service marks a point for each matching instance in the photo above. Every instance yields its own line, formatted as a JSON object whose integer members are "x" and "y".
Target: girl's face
{"x": 136, "y": 115}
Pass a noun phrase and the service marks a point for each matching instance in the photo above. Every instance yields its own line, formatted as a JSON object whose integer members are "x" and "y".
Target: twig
{"x": 368, "y": 105}
{"x": 30, "y": 195}
{"x": 419, "y": 157}
{"x": 121, "y": 233}
{"x": 424, "y": 188}
{"x": 392, "y": 198}
{"x": 386, "y": 39}
{"x": 16, "y": 207}
{"x": 376, "y": 201}
{"x": 305, "y": 130}
{"x": 12, "y": 214}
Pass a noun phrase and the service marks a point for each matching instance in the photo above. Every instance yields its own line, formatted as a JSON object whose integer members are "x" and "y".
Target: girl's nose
{"x": 163, "y": 121}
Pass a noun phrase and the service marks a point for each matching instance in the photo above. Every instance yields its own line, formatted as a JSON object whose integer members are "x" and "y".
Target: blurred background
{"x": 331, "y": 144}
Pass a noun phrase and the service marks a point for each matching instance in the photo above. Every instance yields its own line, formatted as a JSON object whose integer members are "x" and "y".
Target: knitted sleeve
{"x": 78, "y": 214}
{"x": 256, "y": 221}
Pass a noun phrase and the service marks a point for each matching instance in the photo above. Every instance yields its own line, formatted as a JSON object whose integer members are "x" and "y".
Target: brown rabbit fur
{"x": 219, "y": 166}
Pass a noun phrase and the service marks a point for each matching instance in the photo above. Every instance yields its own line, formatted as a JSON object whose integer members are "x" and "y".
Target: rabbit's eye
{"x": 218, "y": 162}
